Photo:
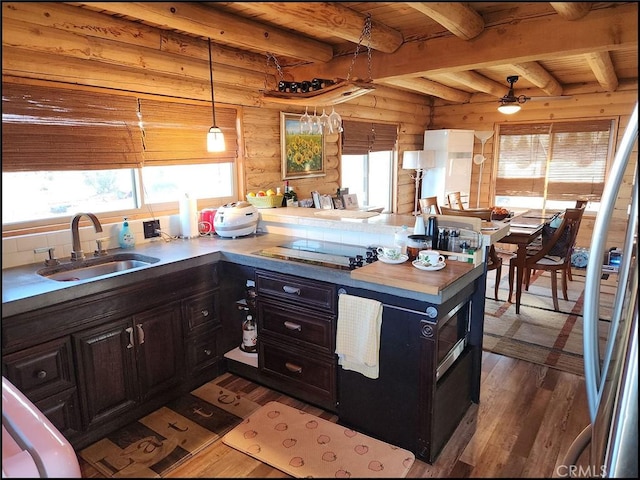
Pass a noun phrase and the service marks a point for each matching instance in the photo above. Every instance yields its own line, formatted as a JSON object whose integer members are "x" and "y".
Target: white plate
{"x": 402, "y": 259}
{"x": 429, "y": 268}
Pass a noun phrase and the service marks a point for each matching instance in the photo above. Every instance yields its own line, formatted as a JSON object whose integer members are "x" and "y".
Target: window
{"x": 551, "y": 165}
{"x": 367, "y": 161}
{"x": 66, "y": 151}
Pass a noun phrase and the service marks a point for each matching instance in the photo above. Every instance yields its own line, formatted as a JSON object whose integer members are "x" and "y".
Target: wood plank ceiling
{"x": 450, "y": 51}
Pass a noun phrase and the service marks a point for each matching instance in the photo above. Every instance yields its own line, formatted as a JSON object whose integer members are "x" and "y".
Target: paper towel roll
{"x": 188, "y": 217}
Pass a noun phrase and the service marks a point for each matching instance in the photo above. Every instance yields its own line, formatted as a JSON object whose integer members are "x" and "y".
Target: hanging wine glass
{"x": 306, "y": 125}
{"x": 335, "y": 121}
{"x": 315, "y": 123}
{"x": 323, "y": 122}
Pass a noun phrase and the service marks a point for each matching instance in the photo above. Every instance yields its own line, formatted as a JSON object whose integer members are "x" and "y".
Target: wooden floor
{"x": 526, "y": 420}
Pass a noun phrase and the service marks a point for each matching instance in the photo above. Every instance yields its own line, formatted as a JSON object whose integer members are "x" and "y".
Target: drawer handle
{"x": 130, "y": 332}
{"x": 288, "y": 289}
{"x": 41, "y": 374}
{"x": 207, "y": 352}
{"x": 292, "y": 367}
{"x": 140, "y": 334}
{"x": 293, "y": 326}
{"x": 205, "y": 313}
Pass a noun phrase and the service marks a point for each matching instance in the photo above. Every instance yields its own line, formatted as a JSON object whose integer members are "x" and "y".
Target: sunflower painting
{"x": 302, "y": 153}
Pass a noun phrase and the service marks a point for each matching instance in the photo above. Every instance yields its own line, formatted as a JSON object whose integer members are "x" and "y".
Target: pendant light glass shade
{"x": 215, "y": 140}
{"x": 215, "y": 137}
{"x": 509, "y": 108}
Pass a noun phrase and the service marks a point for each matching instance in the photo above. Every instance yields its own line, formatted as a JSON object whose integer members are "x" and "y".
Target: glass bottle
{"x": 249, "y": 335}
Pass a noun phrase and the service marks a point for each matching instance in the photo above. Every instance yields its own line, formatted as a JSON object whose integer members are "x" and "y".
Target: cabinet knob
{"x": 289, "y": 289}
{"x": 205, "y": 313}
{"x": 207, "y": 352}
{"x": 41, "y": 374}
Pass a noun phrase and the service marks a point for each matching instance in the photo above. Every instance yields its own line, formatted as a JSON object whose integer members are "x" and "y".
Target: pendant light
{"x": 215, "y": 137}
{"x": 510, "y": 104}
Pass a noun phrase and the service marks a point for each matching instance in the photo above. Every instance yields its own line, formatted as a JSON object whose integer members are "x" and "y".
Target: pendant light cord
{"x": 213, "y": 106}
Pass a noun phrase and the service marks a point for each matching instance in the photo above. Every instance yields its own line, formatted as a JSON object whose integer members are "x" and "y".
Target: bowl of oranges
{"x": 499, "y": 213}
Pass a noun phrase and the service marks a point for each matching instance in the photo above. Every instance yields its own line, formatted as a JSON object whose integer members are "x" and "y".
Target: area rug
{"x": 158, "y": 443}
{"x": 538, "y": 333}
{"x": 303, "y": 445}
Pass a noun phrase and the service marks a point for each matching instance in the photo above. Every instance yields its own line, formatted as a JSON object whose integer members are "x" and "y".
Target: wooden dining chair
{"x": 494, "y": 262}
{"x": 554, "y": 255}
{"x": 455, "y": 201}
{"x": 581, "y": 203}
{"x": 429, "y": 204}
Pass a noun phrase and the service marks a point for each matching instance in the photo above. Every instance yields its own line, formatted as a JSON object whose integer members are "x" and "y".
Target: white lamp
{"x": 417, "y": 160}
{"x": 215, "y": 137}
{"x": 509, "y": 108}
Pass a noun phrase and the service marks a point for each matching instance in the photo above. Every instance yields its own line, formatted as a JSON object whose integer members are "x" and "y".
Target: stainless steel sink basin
{"x": 96, "y": 267}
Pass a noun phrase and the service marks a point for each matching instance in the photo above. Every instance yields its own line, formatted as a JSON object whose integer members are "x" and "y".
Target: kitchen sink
{"x": 96, "y": 267}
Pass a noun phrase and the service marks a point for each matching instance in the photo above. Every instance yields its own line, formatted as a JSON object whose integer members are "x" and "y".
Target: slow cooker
{"x": 236, "y": 219}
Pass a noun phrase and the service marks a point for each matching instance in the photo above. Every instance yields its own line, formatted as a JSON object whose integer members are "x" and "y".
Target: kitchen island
{"x": 460, "y": 287}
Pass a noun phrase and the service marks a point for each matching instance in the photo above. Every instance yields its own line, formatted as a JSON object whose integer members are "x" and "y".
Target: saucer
{"x": 429, "y": 268}
{"x": 402, "y": 259}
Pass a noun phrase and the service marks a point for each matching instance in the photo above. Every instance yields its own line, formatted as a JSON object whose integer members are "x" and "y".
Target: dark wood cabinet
{"x": 296, "y": 336}
{"x": 125, "y": 362}
{"x": 122, "y": 353}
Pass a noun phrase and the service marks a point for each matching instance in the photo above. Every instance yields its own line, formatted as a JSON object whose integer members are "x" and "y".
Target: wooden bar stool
{"x": 428, "y": 204}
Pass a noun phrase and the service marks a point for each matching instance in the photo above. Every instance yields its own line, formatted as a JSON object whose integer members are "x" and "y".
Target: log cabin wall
{"x": 71, "y": 46}
{"x": 485, "y": 116}
{"x": 55, "y": 42}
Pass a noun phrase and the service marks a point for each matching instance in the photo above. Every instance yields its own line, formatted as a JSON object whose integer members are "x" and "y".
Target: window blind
{"x": 360, "y": 138}
{"x": 557, "y": 161}
{"x": 48, "y": 128}
{"x": 53, "y": 128}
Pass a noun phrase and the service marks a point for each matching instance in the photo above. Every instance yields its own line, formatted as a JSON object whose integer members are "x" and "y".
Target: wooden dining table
{"x": 524, "y": 228}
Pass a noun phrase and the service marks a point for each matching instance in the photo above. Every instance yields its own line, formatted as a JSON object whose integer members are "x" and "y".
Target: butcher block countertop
{"x": 405, "y": 275}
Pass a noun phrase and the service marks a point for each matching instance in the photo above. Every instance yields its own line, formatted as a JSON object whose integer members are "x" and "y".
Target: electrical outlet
{"x": 151, "y": 228}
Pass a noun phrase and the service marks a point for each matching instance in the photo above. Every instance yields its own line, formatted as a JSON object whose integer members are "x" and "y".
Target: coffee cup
{"x": 430, "y": 257}
{"x": 391, "y": 253}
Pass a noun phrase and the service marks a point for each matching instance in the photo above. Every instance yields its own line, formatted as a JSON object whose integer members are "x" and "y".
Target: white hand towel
{"x": 358, "y": 334}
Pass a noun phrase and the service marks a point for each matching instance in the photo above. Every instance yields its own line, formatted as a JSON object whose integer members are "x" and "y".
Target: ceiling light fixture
{"x": 215, "y": 137}
{"x": 510, "y": 104}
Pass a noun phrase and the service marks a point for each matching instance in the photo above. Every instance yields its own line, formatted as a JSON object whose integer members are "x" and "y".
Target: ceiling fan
{"x": 510, "y": 103}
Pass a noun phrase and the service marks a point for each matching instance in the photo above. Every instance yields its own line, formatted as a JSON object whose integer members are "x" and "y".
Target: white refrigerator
{"x": 610, "y": 442}
{"x": 453, "y": 162}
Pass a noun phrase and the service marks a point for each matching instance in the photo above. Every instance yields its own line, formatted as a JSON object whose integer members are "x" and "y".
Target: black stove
{"x": 326, "y": 254}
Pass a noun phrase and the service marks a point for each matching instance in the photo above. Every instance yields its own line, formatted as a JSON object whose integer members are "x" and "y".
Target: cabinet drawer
{"x": 62, "y": 410}
{"x": 306, "y": 373}
{"x": 42, "y": 370}
{"x": 300, "y": 291}
{"x": 200, "y": 312}
{"x": 298, "y": 325}
{"x": 202, "y": 352}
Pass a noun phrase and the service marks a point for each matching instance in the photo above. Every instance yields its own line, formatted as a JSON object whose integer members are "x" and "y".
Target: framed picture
{"x": 326, "y": 202}
{"x": 302, "y": 153}
{"x": 350, "y": 201}
{"x": 337, "y": 203}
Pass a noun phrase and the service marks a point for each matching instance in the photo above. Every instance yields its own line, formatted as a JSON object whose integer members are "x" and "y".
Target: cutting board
{"x": 405, "y": 275}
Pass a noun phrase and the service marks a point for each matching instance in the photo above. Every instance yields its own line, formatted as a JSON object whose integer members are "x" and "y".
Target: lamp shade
{"x": 215, "y": 140}
{"x": 418, "y": 159}
{"x": 508, "y": 109}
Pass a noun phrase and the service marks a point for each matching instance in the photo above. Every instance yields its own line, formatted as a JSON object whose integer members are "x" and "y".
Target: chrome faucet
{"x": 76, "y": 249}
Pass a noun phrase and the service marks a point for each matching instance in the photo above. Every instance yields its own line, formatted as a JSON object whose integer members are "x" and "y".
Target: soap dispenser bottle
{"x": 126, "y": 239}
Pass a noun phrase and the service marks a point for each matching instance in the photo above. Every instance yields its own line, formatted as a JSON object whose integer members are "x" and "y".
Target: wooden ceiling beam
{"x": 478, "y": 82}
{"x": 221, "y": 27}
{"x": 571, "y": 10}
{"x": 331, "y": 19}
{"x": 539, "y": 76}
{"x": 429, "y": 87}
{"x": 602, "y": 67}
{"x": 458, "y": 18}
{"x": 545, "y": 38}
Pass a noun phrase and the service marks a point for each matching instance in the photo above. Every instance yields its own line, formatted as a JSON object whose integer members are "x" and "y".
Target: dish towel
{"x": 358, "y": 334}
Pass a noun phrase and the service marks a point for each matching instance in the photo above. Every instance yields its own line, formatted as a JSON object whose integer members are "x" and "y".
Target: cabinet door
{"x": 107, "y": 370}
{"x": 160, "y": 350}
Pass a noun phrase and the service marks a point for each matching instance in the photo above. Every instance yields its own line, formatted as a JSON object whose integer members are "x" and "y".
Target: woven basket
{"x": 266, "y": 202}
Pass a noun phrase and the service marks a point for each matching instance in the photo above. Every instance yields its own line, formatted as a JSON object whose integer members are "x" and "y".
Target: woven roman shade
{"x": 52, "y": 128}
{"x": 46, "y": 128}
{"x": 557, "y": 161}
{"x": 360, "y": 138}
